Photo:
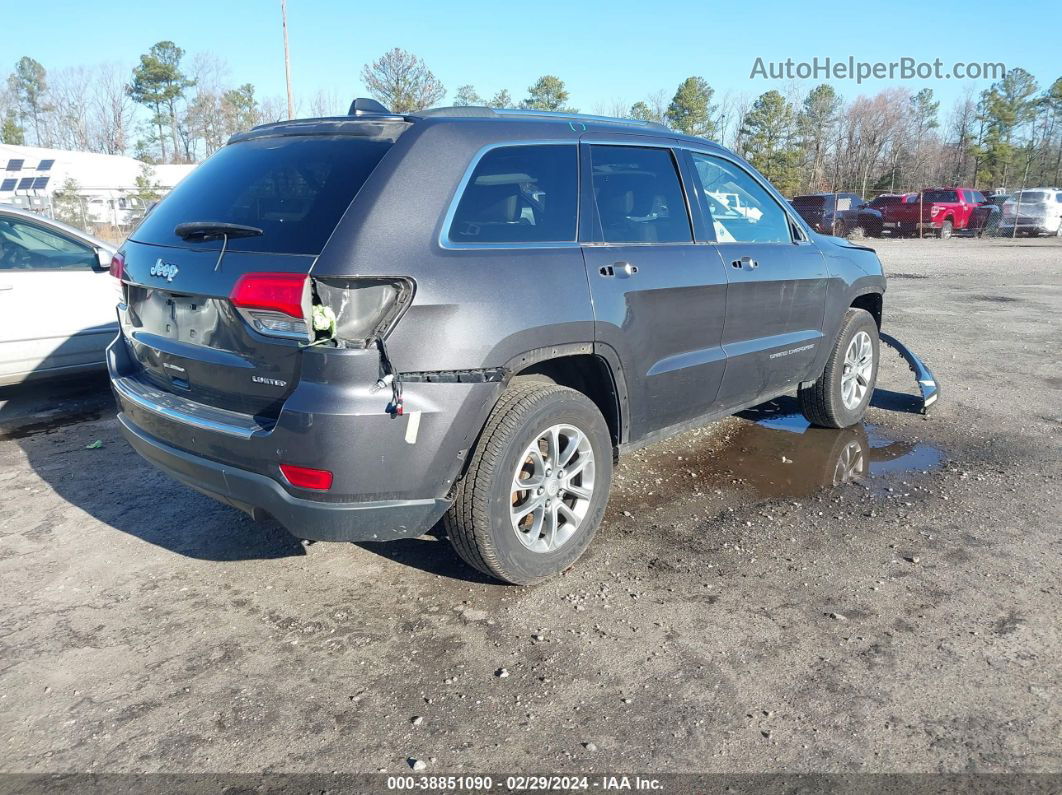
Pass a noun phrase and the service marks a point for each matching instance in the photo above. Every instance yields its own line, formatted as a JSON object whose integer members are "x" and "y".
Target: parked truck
{"x": 938, "y": 211}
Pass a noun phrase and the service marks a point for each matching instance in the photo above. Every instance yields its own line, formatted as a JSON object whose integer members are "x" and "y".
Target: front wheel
{"x": 536, "y": 487}
{"x": 840, "y": 396}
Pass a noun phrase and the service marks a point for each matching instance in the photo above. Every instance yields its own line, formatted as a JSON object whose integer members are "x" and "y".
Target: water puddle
{"x": 51, "y": 424}
{"x": 776, "y": 454}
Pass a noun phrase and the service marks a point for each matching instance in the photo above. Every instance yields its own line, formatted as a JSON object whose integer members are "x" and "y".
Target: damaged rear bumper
{"x": 262, "y": 497}
{"x": 391, "y": 474}
{"x": 927, "y": 382}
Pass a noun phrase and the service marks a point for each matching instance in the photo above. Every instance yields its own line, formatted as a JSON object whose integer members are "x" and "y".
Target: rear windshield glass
{"x": 292, "y": 188}
{"x": 940, "y": 196}
{"x": 1030, "y": 196}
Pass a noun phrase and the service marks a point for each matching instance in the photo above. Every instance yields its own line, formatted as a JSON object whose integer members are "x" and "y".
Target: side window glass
{"x": 29, "y": 247}
{"x": 740, "y": 209}
{"x": 520, "y": 194}
{"x": 637, "y": 196}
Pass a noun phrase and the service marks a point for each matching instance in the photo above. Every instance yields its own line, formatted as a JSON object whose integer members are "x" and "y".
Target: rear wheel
{"x": 945, "y": 229}
{"x": 536, "y": 487}
{"x": 840, "y": 396}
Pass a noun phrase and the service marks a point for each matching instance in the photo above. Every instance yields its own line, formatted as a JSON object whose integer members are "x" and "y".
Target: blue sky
{"x": 604, "y": 51}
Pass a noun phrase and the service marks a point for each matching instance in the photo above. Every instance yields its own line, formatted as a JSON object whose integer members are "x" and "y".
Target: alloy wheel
{"x": 552, "y": 488}
{"x": 858, "y": 369}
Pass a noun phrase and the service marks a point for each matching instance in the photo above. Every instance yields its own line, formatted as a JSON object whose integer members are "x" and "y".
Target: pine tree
{"x": 691, "y": 109}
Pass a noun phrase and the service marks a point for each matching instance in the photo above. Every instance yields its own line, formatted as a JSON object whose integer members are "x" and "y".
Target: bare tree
{"x": 617, "y": 108}
{"x": 111, "y": 110}
{"x": 402, "y": 82}
{"x": 70, "y": 103}
{"x": 325, "y": 103}
{"x": 272, "y": 110}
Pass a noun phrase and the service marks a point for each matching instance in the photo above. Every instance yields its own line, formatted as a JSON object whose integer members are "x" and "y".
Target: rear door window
{"x": 520, "y": 194}
{"x": 741, "y": 210}
{"x": 293, "y": 188}
{"x": 637, "y": 196}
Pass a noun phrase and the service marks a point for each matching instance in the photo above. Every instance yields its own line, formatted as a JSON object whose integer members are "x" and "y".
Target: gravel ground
{"x": 737, "y": 611}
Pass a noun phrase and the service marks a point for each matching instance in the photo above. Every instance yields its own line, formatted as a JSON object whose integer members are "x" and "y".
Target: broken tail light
{"x": 364, "y": 308}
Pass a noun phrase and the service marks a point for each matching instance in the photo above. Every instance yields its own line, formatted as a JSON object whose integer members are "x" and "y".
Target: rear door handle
{"x": 622, "y": 270}
{"x": 745, "y": 262}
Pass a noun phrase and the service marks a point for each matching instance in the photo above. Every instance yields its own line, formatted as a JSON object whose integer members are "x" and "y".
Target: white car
{"x": 57, "y": 299}
{"x": 1035, "y": 211}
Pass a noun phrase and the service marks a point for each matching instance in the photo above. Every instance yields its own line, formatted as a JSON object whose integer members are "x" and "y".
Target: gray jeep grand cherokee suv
{"x": 362, "y": 325}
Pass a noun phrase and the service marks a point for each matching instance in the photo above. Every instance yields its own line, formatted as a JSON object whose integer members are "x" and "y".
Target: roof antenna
{"x": 363, "y": 106}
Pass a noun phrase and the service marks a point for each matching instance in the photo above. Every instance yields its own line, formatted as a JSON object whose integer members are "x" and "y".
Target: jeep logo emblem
{"x": 163, "y": 270}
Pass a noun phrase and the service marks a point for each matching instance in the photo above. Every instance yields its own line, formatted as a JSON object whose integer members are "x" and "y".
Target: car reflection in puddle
{"x": 782, "y": 455}
{"x": 777, "y": 454}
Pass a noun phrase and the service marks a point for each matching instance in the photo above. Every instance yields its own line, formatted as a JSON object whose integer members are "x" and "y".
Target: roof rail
{"x": 475, "y": 111}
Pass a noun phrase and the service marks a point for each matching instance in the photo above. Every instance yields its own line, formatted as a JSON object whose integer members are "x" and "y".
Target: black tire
{"x": 479, "y": 523}
{"x": 821, "y": 403}
{"x": 946, "y": 229}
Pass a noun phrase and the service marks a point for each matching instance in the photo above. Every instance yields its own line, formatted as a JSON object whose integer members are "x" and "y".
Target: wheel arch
{"x": 580, "y": 368}
{"x": 872, "y": 302}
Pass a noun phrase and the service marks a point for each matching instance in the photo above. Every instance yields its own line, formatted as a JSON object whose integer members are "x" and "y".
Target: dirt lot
{"x": 737, "y": 612}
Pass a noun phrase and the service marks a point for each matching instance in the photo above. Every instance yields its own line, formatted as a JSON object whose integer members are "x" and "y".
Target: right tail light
{"x": 364, "y": 308}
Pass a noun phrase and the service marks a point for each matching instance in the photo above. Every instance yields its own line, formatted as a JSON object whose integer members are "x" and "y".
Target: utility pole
{"x": 287, "y": 58}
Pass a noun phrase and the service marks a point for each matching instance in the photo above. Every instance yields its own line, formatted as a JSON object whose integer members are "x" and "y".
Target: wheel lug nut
{"x": 539, "y": 490}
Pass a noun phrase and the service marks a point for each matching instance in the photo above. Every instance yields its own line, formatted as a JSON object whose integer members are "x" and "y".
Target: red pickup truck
{"x": 940, "y": 211}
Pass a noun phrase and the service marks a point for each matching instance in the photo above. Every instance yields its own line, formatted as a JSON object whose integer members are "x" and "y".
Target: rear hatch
{"x": 206, "y": 269}
{"x": 1030, "y": 207}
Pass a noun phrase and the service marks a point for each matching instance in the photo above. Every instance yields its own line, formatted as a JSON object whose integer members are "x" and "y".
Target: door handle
{"x": 745, "y": 262}
{"x": 621, "y": 269}
{"x": 4, "y": 287}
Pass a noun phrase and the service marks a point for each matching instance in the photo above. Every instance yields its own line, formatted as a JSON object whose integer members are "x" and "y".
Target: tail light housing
{"x": 275, "y": 304}
{"x": 364, "y": 308}
{"x": 282, "y": 305}
{"x": 117, "y": 269}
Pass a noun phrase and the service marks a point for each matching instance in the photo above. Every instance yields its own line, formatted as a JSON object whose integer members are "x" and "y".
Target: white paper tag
{"x": 412, "y": 427}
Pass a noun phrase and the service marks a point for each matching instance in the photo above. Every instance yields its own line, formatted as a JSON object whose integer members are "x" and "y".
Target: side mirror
{"x": 103, "y": 260}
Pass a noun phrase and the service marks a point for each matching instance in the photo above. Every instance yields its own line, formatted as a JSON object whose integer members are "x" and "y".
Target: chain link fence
{"x": 109, "y": 215}
{"x": 934, "y": 212}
